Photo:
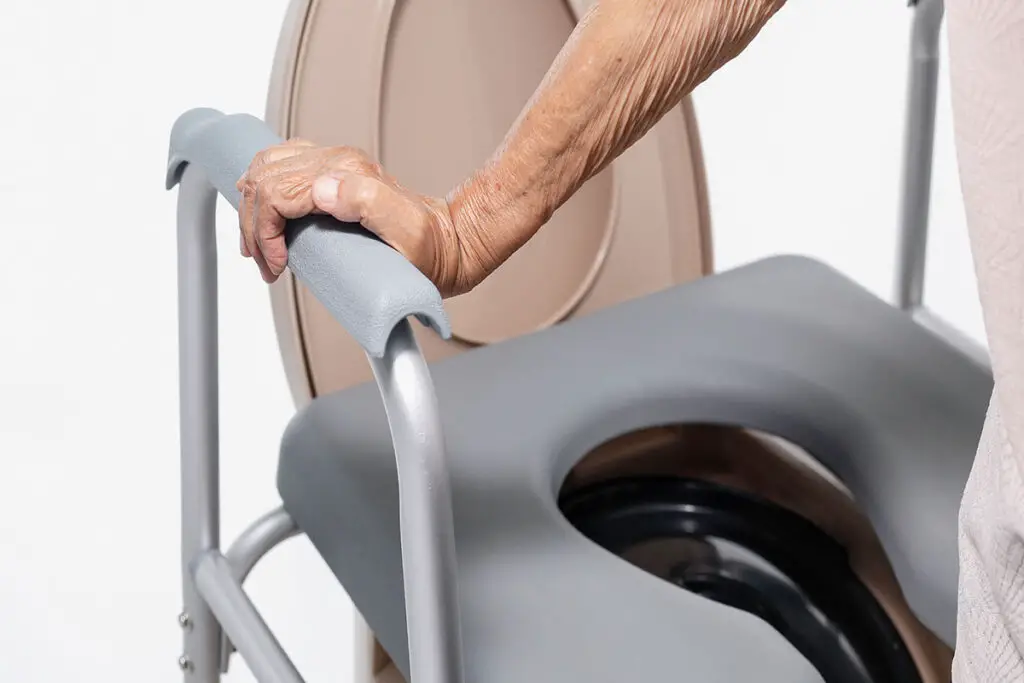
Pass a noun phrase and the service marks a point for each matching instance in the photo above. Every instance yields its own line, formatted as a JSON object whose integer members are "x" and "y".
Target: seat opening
{"x": 754, "y": 522}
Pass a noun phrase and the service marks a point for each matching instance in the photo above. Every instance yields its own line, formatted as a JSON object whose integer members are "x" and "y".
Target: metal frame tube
{"x": 918, "y": 157}
{"x": 918, "y": 153}
{"x": 427, "y": 524}
{"x": 262, "y": 536}
{"x": 214, "y": 603}
{"x": 199, "y": 417}
{"x": 252, "y": 545}
{"x": 217, "y": 585}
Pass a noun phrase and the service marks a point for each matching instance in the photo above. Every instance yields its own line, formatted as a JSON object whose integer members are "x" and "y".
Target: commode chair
{"x": 614, "y": 468}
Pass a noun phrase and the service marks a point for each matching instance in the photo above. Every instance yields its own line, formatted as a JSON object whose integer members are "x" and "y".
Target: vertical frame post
{"x": 199, "y": 418}
{"x": 918, "y": 157}
{"x": 433, "y": 620}
{"x": 918, "y": 153}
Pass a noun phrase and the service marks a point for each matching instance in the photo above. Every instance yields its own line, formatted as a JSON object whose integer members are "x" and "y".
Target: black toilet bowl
{"x": 740, "y": 550}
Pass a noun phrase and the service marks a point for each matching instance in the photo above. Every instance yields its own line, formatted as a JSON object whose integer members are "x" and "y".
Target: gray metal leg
{"x": 216, "y": 583}
{"x": 919, "y": 139}
{"x": 427, "y": 526}
{"x": 211, "y": 586}
{"x": 197, "y": 359}
{"x": 919, "y": 136}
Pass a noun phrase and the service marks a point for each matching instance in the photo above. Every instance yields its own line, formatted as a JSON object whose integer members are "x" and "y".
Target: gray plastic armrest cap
{"x": 365, "y": 284}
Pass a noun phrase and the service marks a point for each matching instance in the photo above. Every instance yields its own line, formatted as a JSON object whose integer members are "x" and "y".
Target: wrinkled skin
{"x": 625, "y": 66}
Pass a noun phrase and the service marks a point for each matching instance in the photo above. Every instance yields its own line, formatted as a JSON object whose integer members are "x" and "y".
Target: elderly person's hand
{"x": 297, "y": 178}
{"x": 626, "y": 65}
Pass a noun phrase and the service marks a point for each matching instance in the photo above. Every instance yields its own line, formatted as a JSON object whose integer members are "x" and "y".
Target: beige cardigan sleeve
{"x": 987, "y": 69}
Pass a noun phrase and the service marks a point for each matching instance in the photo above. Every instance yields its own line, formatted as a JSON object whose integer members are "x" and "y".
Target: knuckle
{"x": 359, "y": 166}
{"x": 265, "y": 235}
{"x": 293, "y": 187}
{"x": 272, "y": 155}
{"x": 262, "y": 158}
{"x": 248, "y": 197}
{"x": 265, "y": 187}
{"x": 349, "y": 154}
{"x": 368, "y": 168}
{"x": 348, "y": 151}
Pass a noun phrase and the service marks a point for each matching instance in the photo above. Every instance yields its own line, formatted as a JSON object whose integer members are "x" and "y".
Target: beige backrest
{"x": 429, "y": 87}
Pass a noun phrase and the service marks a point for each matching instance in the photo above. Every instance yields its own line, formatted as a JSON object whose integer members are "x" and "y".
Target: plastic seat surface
{"x": 786, "y": 345}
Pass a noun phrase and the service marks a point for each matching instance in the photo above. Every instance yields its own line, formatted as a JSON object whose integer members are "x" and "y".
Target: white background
{"x": 802, "y": 136}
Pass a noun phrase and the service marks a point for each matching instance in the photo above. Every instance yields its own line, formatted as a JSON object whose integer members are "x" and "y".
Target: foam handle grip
{"x": 365, "y": 284}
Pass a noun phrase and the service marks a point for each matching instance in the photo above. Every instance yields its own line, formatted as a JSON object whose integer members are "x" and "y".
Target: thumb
{"x": 355, "y": 198}
{"x": 349, "y": 197}
{"x": 325, "y": 192}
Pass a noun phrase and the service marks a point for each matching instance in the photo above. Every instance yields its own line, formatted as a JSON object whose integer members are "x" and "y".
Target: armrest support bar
{"x": 365, "y": 284}
{"x": 427, "y": 526}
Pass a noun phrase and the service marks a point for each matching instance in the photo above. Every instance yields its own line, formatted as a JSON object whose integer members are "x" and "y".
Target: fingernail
{"x": 325, "y": 192}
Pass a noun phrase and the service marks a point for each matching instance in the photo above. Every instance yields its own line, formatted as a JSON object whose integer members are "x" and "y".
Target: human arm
{"x": 627, "y": 64}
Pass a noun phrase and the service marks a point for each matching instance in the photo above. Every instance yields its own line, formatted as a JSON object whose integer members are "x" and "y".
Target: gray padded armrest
{"x": 365, "y": 284}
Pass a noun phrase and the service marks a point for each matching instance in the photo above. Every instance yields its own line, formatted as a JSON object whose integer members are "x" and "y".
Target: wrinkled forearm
{"x": 625, "y": 66}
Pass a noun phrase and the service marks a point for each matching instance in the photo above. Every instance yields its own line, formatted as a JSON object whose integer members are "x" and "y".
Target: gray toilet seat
{"x": 786, "y": 346}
